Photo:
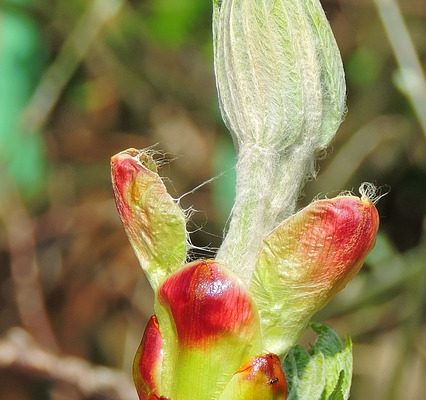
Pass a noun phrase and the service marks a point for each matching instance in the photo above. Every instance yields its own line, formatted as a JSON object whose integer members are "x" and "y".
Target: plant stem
{"x": 413, "y": 82}
{"x": 275, "y": 182}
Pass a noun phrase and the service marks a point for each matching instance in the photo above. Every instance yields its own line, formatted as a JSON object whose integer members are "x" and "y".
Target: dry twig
{"x": 19, "y": 237}
{"x": 20, "y": 352}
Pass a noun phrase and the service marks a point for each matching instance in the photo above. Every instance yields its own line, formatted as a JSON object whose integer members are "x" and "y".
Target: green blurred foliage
{"x": 22, "y": 58}
{"x": 223, "y": 189}
{"x": 146, "y": 78}
{"x": 173, "y": 23}
{"x": 366, "y": 61}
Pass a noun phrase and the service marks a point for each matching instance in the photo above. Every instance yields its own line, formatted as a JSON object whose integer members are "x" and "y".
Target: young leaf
{"x": 325, "y": 372}
{"x": 279, "y": 72}
{"x": 338, "y": 364}
{"x": 306, "y": 378}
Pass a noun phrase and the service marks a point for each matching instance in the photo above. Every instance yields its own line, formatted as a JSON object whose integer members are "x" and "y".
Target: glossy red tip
{"x": 266, "y": 368}
{"x": 346, "y": 232}
{"x": 148, "y": 361}
{"x": 124, "y": 169}
{"x": 204, "y": 303}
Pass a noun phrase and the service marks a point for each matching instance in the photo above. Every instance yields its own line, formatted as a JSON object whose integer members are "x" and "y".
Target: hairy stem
{"x": 275, "y": 183}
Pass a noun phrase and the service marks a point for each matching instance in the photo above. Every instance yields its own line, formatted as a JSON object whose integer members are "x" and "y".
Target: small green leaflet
{"x": 323, "y": 373}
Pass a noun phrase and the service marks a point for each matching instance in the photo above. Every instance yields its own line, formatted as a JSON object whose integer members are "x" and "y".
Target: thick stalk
{"x": 250, "y": 218}
{"x": 275, "y": 182}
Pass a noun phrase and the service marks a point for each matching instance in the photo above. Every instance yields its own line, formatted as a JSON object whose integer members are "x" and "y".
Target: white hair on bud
{"x": 202, "y": 184}
{"x": 369, "y": 191}
{"x": 346, "y": 193}
{"x": 282, "y": 94}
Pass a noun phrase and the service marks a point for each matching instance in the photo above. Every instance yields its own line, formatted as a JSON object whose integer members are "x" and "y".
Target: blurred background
{"x": 82, "y": 80}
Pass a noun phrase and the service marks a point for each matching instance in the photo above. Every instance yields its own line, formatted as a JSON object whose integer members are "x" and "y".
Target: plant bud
{"x": 279, "y": 72}
{"x": 261, "y": 379}
{"x": 153, "y": 221}
{"x": 148, "y": 362}
{"x": 282, "y": 91}
{"x": 306, "y": 260}
{"x": 210, "y": 328}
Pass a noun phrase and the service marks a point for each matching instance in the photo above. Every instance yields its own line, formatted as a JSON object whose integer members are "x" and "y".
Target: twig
{"x": 19, "y": 235}
{"x": 71, "y": 54}
{"x": 412, "y": 79}
{"x": 18, "y": 351}
{"x": 361, "y": 145}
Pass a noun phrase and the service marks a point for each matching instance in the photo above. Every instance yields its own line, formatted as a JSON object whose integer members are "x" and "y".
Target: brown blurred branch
{"x": 411, "y": 78}
{"x": 73, "y": 51}
{"x": 19, "y": 237}
{"x": 18, "y": 351}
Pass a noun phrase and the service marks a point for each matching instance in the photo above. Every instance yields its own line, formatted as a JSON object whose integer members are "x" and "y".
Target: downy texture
{"x": 281, "y": 88}
{"x": 216, "y": 337}
{"x": 226, "y": 328}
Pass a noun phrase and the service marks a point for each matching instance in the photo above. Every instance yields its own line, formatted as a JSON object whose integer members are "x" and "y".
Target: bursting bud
{"x": 154, "y": 223}
{"x": 214, "y": 336}
{"x": 279, "y": 72}
{"x": 282, "y": 92}
{"x": 223, "y": 327}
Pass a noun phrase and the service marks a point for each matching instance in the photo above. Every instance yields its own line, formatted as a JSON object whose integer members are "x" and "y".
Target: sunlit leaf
{"x": 323, "y": 373}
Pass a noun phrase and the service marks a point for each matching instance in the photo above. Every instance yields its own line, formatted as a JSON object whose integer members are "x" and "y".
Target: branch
{"x": 73, "y": 51}
{"x": 412, "y": 80}
{"x": 18, "y": 351}
{"x": 19, "y": 237}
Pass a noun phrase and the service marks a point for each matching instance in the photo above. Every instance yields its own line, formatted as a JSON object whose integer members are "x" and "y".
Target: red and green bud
{"x": 261, "y": 379}
{"x": 153, "y": 221}
{"x": 206, "y": 304}
{"x": 208, "y": 338}
{"x": 211, "y": 328}
{"x": 148, "y": 362}
{"x": 205, "y": 345}
{"x": 306, "y": 260}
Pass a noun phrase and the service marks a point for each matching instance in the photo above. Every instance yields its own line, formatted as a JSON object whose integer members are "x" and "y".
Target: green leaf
{"x": 306, "y": 379}
{"x": 323, "y": 373}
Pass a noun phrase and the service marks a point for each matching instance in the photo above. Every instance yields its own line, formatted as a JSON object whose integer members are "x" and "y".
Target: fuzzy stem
{"x": 250, "y": 218}
{"x": 275, "y": 183}
{"x": 281, "y": 88}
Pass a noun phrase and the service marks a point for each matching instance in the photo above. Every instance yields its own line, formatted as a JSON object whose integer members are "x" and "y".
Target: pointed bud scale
{"x": 306, "y": 260}
{"x": 261, "y": 379}
{"x": 211, "y": 328}
{"x": 153, "y": 221}
{"x": 148, "y": 362}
